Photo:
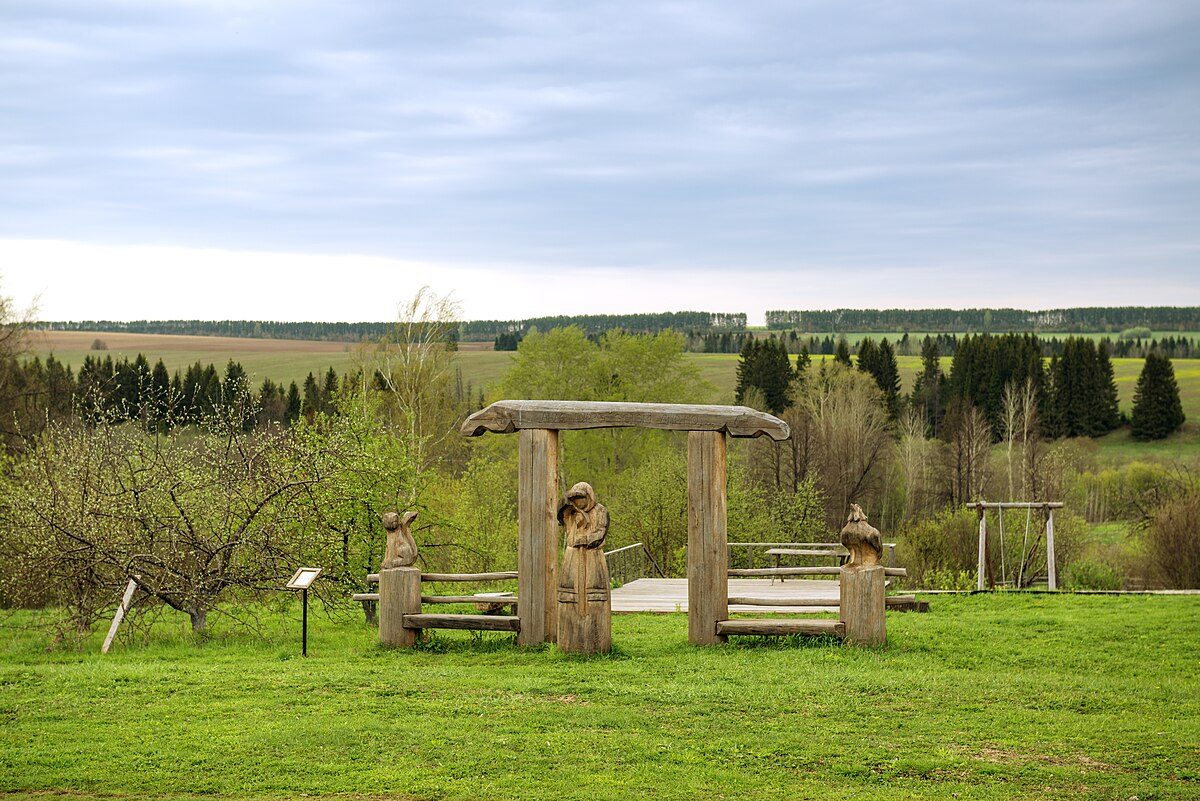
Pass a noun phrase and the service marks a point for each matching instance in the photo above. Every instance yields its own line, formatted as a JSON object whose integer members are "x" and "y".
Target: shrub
{"x": 945, "y": 544}
{"x": 1173, "y": 541}
{"x": 1089, "y": 575}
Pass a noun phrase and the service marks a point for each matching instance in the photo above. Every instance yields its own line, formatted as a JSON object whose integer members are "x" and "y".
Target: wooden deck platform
{"x": 670, "y": 595}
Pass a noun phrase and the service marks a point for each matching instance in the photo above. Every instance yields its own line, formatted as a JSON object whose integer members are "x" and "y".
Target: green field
{"x": 288, "y": 361}
{"x": 986, "y": 697}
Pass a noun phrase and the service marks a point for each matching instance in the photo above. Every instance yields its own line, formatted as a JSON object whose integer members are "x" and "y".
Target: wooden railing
{"x": 629, "y": 564}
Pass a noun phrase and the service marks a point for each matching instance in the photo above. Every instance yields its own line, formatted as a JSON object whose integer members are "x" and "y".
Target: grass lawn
{"x": 986, "y": 697}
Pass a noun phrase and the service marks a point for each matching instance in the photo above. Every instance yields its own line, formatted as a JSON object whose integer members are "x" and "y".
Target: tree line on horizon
{"x": 1078, "y": 320}
{"x": 705, "y": 327}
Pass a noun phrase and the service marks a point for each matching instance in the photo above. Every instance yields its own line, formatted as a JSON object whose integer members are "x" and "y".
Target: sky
{"x": 295, "y": 160}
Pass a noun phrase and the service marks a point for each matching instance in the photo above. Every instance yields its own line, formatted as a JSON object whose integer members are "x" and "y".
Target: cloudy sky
{"x": 285, "y": 159}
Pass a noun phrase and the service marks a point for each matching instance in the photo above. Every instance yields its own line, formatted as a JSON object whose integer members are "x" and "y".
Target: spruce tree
{"x": 929, "y": 390}
{"x": 842, "y": 354}
{"x": 887, "y": 376}
{"x": 1109, "y": 411}
{"x": 1157, "y": 411}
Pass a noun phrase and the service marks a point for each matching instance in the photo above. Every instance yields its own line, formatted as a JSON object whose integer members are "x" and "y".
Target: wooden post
{"x": 537, "y": 540}
{"x": 399, "y": 595}
{"x": 982, "y": 567}
{"x": 863, "y": 604}
{"x": 708, "y": 556}
{"x": 1052, "y": 573}
{"x": 126, "y": 600}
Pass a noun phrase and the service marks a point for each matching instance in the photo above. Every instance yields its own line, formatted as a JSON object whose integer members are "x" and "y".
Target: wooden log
{"x": 708, "y": 556}
{"x": 1016, "y": 505}
{"x": 399, "y": 595}
{"x": 862, "y": 604}
{"x": 372, "y": 578}
{"x": 501, "y": 575}
{"x": 471, "y": 622}
{"x": 781, "y": 627}
{"x": 501, "y": 600}
{"x": 365, "y": 596}
{"x": 537, "y": 538}
{"x": 831, "y": 570}
{"x": 737, "y": 601}
{"x": 505, "y": 417}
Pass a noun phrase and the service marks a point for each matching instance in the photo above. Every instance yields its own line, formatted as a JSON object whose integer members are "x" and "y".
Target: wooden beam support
{"x": 502, "y": 575}
{"x": 708, "y": 557}
{"x": 862, "y": 604}
{"x": 470, "y": 622}
{"x": 537, "y": 542}
{"x": 781, "y": 627}
{"x": 505, "y": 417}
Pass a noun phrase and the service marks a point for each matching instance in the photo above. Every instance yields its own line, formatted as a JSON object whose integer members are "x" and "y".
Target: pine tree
{"x": 1157, "y": 411}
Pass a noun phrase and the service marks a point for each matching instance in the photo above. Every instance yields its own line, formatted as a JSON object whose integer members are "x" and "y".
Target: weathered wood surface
{"x": 898, "y": 601}
{"x": 584, "y": 590}
{"x": 1051, "y": 569}
{"x": 481, "y": 598}
{"x": 781, "y": 627}
{"x": 708, "y": 556}
{"x": 863, "y": 604}
{"x": 399, "y": 596}
{"x": 825, "y": 552}
{"x": 501, "y": 575}
{"x": 471, "y": 622}
{"x": 401, "y": 550}
{"x": 1016, "y": 505}
{"x": 671, "y": 595}
{"x": 126, "y": 600}
{"x": 861, "y": 539}
{"x": 365, "y": 596}
{"x": 819, "y": 570}
{"x": 831, "y": 570}
{"x": 537, "y": 535}
{"x": 505, "y": 417}
{"x": 372, "y": 578}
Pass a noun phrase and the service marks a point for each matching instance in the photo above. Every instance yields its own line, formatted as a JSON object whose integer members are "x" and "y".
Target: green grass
{"x": 986, "y": 697}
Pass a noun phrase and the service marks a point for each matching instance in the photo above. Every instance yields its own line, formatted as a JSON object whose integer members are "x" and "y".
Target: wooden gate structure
{"x": 537, "y": 422}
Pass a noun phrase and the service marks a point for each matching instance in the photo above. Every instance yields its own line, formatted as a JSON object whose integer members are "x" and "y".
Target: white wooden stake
{"x": 119, "y": 616}
{"x": 1050, "y": 569}
{"x": 982, "y": 548}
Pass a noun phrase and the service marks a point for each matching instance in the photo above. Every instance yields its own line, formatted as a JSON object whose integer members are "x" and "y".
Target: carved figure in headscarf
{"x": 401, "y": 547}
{"x": 584, "y": 595}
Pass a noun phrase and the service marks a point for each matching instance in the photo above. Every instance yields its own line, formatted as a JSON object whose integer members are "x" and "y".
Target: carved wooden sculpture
{"x": 399, "y": 582}
{"x": 861, "y": 539}
{"x": 401, "y": 547}
{"x": 863, "y": 582}
{"x": 584, "y": 596}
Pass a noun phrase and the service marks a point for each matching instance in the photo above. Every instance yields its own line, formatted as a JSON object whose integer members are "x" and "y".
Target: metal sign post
{"x": 302, "y": 580}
